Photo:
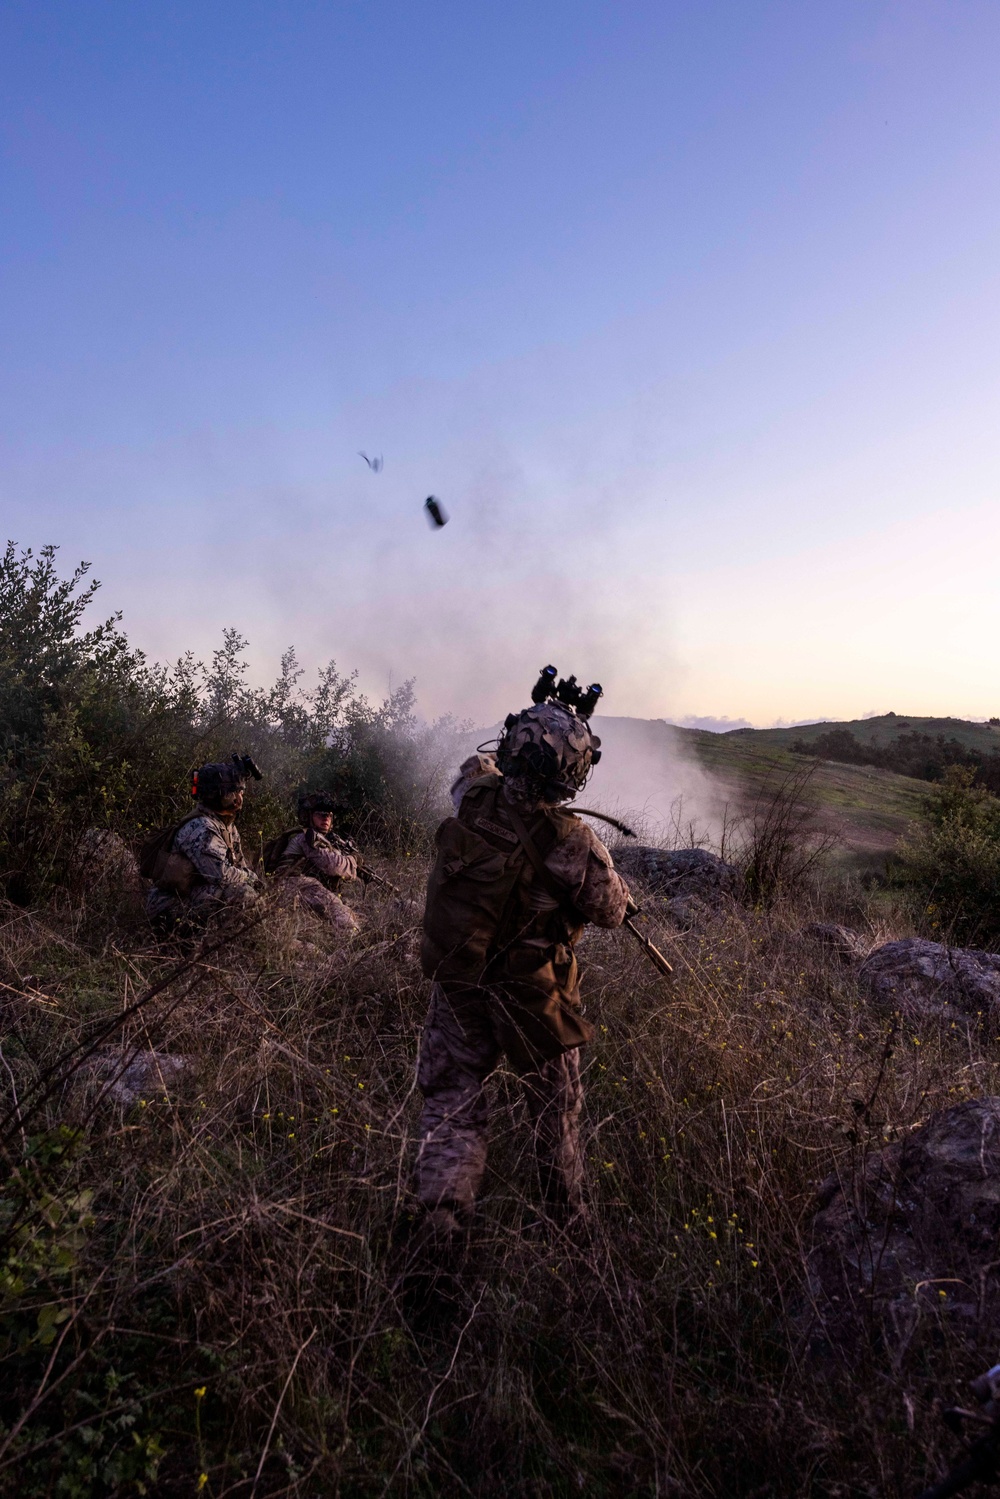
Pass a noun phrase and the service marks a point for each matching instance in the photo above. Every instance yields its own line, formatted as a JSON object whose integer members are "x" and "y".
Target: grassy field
{"x": 863, "y": 809}
{"x": 199, "y": 1289}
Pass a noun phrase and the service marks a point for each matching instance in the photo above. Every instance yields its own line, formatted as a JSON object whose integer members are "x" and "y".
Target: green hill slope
{"x": 865, "y": 809}
{"x": 881, "y": 731}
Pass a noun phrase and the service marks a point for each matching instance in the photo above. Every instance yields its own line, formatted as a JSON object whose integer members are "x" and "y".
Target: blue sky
{"x": 688, "y": 312}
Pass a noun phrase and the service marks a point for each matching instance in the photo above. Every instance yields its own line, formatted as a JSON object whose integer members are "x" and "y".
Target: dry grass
{"x": 220, "y": 1311}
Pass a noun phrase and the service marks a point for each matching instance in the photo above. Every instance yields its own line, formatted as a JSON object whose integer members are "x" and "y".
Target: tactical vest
{"x": 480, "y": 929}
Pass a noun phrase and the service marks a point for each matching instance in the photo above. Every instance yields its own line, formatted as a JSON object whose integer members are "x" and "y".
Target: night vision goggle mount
{"x": 582, "y": 700}
{"x": 228, "y": 775}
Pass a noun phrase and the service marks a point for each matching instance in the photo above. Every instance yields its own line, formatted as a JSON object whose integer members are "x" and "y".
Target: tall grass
{"x": 200, "y": 1291}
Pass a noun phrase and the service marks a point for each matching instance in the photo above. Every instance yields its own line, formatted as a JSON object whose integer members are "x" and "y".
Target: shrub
{"x": 952, "y": 861}
{"x": 93, "y": 735}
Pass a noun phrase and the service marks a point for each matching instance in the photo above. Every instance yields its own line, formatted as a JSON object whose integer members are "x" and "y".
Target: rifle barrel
{"x": 653, "y": 953}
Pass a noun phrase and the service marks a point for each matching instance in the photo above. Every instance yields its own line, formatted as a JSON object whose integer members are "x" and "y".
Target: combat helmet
{"x": 548, "y": 750}
{"x": 212, "y": 783}
{"x": 316, "y": 801}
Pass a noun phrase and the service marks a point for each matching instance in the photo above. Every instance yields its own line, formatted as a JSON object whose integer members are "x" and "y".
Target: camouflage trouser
{"x": 460, "y": 1048}
{"x": 168, "y": 912}
{"x": 302, "y": 889}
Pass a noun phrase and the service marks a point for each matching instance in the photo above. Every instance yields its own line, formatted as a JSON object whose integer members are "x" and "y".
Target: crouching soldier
{"x": 310, "y": 868}
{"x": 517, "y": 877}
{"x": 197, "y": 865}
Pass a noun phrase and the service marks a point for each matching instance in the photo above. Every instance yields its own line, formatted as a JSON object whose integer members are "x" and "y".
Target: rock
{"x": 919, "y": 1219}
{"x": 840, "y": 941}
{"x": 147, "y": 1074}
{"x": 927, "y": 980}
{"x": 682, "y": 875}
{"x": 105, "y": 858}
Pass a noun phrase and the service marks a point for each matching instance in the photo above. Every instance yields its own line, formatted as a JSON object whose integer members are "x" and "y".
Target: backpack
{"x": 476, "y": 913}
{"x": 169, "y": 871}
{"x": 274, "y": 849}
{"x": 481, "y": 931}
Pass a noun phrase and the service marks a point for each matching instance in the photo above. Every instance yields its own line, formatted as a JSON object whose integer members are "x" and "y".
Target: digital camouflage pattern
{"x": 313, "y": 855}
{"x": 222, "y": 875}
{"x": 459, "y": 1051}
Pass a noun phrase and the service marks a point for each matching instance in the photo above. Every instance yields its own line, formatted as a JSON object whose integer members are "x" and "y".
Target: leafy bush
{"x": 953, "y": 860}
{"x": 93, "y": 735}
{"x": 926, "y": 757}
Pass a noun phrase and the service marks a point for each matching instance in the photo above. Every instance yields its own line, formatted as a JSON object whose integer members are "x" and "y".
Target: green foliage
{"x": 41, "y": 1233}
{"x": 93, "y": 736}
{"x": 953, "y": 860}
{"x": 46, "y": 1223}
{"x": 926, "y": 757}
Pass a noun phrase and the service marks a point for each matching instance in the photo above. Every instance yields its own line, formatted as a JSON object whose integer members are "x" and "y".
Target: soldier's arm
{"x": 582, "y": 863}
{"x": 334, "y": 863}
{"x": 206, "y": 848}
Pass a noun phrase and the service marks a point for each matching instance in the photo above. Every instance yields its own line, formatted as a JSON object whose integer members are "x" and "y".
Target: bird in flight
{"x": 436, "y": 512}
{"x": 375, "y": 464}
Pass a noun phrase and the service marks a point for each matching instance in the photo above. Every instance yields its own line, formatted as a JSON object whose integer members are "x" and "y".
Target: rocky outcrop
{"x": 103, "y": 857}
{"x": 687, "y": 878}
{"x": 124, "y": 1080}
{"x": 913, "y": 1232}
{"x": 927, "y": 980}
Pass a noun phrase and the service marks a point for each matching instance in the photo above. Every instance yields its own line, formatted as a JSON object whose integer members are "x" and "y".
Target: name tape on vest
{"x": 495, "y": 827}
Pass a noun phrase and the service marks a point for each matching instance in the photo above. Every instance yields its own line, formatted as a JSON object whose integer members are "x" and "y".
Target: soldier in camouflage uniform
{"x": 508, "y": 983}
{"x": 311, "y": 869}
{"x": 202, "y": 871}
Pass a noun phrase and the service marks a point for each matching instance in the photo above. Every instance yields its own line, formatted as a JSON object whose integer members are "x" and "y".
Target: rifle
{"x": 366, "y": 874}
{"x": 652, "y": 953}
{"x": 980, "y": 1463}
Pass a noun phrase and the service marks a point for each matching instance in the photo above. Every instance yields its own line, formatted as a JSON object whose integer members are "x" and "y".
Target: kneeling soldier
{"x": 309, "y": 868}
{"x": 197, "y": 866}
{"x": 516, "y": 879}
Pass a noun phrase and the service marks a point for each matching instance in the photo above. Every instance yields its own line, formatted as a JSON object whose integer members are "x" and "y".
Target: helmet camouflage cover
{"x": 549, "y": 749}
{"x": 214, "y": 781}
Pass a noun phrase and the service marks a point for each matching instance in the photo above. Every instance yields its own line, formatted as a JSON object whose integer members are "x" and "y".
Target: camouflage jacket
{"x": 213, "y": 847}
{"x": 318, "y": 857}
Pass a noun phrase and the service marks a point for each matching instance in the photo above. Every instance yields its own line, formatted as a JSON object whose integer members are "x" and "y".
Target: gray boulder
{"x": 911, "y": 1234}
{"x": 126, "y": 1079}
{"x": 685, "y": 876}
{"x": 927, "y": 980}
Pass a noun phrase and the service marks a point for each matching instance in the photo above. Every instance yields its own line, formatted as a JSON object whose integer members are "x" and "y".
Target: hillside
{"x": 881, "y": 731}
{"x": 865, "y": 809}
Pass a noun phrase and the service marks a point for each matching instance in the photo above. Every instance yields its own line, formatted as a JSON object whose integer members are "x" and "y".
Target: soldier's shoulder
{"x": 579, "y": 834}
{"x": 193, "y": 828}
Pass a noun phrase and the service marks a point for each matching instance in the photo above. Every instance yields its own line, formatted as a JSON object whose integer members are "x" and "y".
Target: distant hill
{"x": 866, "y": 809}
{"x": 882, "y": 731}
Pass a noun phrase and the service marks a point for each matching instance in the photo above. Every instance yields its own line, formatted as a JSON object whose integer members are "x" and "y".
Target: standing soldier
{"x": 197, "y": 865}
{"x": 309, "y": 868}
{"x": 516, "y": 879}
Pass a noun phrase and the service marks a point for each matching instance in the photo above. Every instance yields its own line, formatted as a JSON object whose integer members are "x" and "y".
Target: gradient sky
{"x": 688, "y": 312}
